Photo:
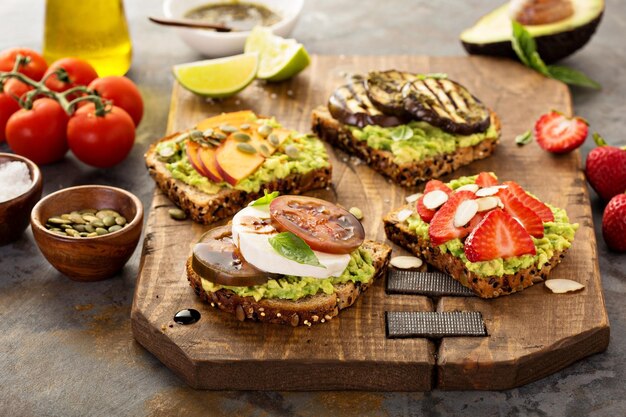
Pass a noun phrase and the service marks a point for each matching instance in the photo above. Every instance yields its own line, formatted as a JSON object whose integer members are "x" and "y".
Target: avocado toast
{"x": 226, "y": 161}
{"x": 494, "y": 238}
{"x": 406, "y": 126}
{"x": 286, "y": 260}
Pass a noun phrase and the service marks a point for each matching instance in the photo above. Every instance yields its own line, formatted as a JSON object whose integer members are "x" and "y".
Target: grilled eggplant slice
{"x": 384, "y": 88}
{"x": 445, "y": 104}
{"x": 350, "y": 105}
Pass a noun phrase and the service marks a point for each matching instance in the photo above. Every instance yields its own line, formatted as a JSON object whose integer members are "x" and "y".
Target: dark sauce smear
{"x": 187, "y": 316}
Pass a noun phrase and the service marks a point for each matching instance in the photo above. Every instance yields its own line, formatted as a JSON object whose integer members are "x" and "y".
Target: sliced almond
{"x": 561, "y": 286}
{"x": 465, "y": 212}
{"x": 487, "y": 203}
{"x": 404, "y": 214}
{"x": 405, "y": 262}
{"x": 468, "y": 187}
{"x": 487, "y": 191}
{"x": 434, "y": 199}
{"x": 413, "y": 197}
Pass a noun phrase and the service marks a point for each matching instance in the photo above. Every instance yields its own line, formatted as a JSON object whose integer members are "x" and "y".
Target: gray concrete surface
{"x": 66, "y": 348}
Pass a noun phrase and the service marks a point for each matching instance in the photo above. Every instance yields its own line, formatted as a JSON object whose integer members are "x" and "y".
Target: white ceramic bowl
{"x": 216, "y": 44}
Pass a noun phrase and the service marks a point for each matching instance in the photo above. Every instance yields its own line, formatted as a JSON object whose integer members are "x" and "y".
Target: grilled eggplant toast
{"x": 211, "y": 173}
{"x": 512, "y": 242}
{"x": 408, "y": 127}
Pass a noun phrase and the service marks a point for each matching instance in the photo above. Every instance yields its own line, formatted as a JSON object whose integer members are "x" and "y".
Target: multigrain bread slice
{"x": 306, "y": 311}
{"x": 399, "y": 233}
{"x": 208, "y": 208}
{"x": 409, "y": 174}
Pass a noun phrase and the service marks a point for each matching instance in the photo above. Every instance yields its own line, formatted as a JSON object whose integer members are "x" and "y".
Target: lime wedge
{"x": 218, "y": 78}
{"x": 280, "y": 58}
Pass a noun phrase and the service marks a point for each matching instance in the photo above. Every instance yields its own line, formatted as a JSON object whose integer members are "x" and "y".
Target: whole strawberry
{"x": 606, "y": 169}
{"x": 614, "y": 223}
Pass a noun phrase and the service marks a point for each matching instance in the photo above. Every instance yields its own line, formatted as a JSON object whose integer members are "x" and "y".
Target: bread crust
{"x": 399, "y": 233}
{"x": 306, "y": 311}
{"x": 409, "y": 174}
{"x": 207, "y": 208}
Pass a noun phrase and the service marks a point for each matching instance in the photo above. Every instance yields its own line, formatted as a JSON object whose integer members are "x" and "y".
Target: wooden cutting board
{"x": 531, "y": 334}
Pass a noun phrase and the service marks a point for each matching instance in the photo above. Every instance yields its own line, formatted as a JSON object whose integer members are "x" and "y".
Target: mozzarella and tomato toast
{"x": 287, "y": 260}
{"x": 494, "y": 238}
{"x": 226, "y": 161}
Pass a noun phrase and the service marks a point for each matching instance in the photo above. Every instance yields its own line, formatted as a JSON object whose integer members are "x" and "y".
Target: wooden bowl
{"x": 88, "y": 258}
{"x": 14, "y": 213}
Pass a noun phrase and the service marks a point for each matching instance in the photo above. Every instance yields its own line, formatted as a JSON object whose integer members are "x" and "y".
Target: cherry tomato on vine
{"x": 79, "y": 71}
{"x": 15, "y": 88}
{"x": 101, "y": 141}
{"x": 39, "y": 134}
{"x": 8, "y": 106}
{"x": 35, "y": 69}
{"x": 122, "y": 92}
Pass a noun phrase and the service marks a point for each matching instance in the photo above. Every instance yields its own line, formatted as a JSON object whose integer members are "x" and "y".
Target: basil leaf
{"x": 526, "y": 50}
{"x": 402, "y": 132}
{"x": 572, "y": 77}
{"x": 523, "y": 44}
{"x": 293, "y": 247}
{"x": 266, "y": 199}
{"x": 524, "y": 139}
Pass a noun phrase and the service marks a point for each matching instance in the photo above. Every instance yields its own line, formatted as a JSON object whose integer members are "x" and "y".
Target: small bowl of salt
{"x": 20, "y": 189}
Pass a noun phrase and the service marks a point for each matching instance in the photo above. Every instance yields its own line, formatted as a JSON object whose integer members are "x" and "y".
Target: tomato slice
{"x": 324, "y": 226}
{"x": 217, "y": 259}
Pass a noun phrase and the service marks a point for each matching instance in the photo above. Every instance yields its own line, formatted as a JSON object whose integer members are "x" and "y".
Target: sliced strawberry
{"x": 531, "y": 202}
{"x": 473, "y": 224}
{"x": 498, "y": 236}
{"x": 486, "y": 179}
{"x": 560, "y": 134}
{"x": 528, "y": 218}
{"x": 432, "y": 185}
{"x": 442, "y": 228}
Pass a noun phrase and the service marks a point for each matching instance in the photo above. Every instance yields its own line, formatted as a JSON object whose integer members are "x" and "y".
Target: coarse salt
{"x": 14, "y": 180}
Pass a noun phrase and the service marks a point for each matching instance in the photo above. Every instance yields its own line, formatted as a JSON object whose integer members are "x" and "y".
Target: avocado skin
{"x": 551, "y": 48}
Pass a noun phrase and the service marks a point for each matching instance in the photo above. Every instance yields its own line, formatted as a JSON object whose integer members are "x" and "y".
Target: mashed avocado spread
{"x": 359, "y": 269}
{"x": 417, "y": 140}
{"x": 312, "y": 155}
{"x": 558, "y": 235}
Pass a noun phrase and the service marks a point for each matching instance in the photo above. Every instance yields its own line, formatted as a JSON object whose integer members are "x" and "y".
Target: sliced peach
{"x": 208, "y": 161}
{"x": 235, "y": 119}
{"x": 193, "y": 149}
{"x": 235, "y": 165}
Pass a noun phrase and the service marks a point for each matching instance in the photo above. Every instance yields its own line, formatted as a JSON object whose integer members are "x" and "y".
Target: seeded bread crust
{"x": 409, "y": 174}
{"x": 491, "y": 287}
{"x": 208, "y": 208}
{"x": 306, "y": 311}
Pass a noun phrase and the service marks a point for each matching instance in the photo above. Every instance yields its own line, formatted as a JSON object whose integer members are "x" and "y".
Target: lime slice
{"x": 280, "y": 58}
{"x": 218, "y": 78}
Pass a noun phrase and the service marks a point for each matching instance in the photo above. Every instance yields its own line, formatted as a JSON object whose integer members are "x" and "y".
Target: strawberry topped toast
{"x": 494, "y": 238}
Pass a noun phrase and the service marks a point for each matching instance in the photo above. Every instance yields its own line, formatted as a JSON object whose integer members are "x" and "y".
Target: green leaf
{"x": 523, "y": 43}
{"x": 524, "y": 139}
{"x": 402, "y": 132}
{"x": 526, "y": 49}
{"x": 572, "y": 77}
{"x": 293, "y": 247}
{"x": 266, "y": 199}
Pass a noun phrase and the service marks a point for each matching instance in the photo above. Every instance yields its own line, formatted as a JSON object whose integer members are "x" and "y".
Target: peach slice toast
{"x": 226, "y": 161}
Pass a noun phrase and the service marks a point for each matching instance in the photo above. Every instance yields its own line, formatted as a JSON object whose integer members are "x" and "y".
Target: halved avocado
{"x": 491, "y": 35}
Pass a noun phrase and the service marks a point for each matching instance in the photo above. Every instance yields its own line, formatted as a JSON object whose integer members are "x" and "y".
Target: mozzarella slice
{"x": 251, "y": 233}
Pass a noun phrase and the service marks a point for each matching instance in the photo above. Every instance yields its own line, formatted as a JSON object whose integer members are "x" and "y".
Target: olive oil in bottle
{"x": 94, "y": 30}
